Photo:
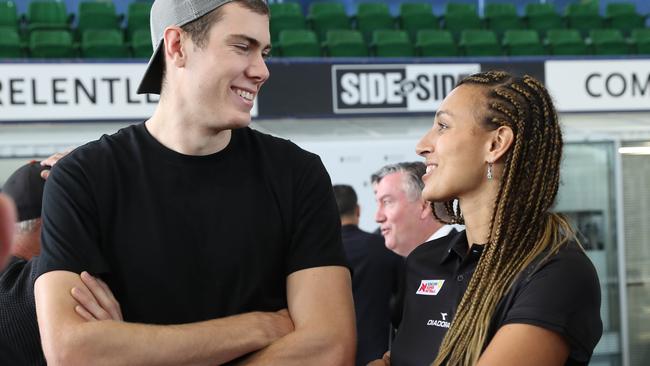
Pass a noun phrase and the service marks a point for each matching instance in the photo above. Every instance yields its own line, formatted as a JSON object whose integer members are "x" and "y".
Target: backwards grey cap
{"x": 163, "y": 14}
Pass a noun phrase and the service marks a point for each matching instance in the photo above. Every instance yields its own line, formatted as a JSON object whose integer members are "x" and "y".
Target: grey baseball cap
{"x": 163, "y": 14}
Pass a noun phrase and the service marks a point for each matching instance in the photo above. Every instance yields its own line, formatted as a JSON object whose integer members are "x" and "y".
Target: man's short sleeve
{"x": 316, "y": 229}
{"x": 563, "y": 295}
{"x": 70, "y": 233}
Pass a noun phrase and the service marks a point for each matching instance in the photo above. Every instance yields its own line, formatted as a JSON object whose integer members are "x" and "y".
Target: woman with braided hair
{"x": 515, "y": 288}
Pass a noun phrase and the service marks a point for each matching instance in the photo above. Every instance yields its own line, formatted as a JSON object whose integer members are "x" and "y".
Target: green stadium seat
{"x": 47, "y": 15}
{"x": 640, "y": 39}
{"x": 623, "y": 16}
{"x": 97, "y": 15}
{"x": 501, "y": 17}
{"x": 51, "y": 44}
{"x": 435, "y": 43}
{"x": 414, "y": 17}
{"x": 459, "y": 17}
{"x": 10, "y": 46}
{"x": 583, "y": 17}
{"x": 345, "y": 43}
{"x": 298, "y": 43}
{"x": 373, "y": 16}
{"x": 392, "y": 43}
{"x": 479, "y": 43}
{"x": 326, "y": 15}
{"x": 137, "y": 18}
{"x": 608, "y": 42}
{"x": 542, "y": 17}
{"x": 103, "y": 43}
{"x": 8, "y": 15}
{"x": 286, "y": 16}
{"x": 565, "y": 42}
{"x": 522, "y": 42}
{"x": 141, "y": 43}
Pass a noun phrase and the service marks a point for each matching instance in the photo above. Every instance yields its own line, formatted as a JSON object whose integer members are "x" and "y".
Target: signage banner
{"x": 394, "y": 88}
{"x": 599, "y": 85}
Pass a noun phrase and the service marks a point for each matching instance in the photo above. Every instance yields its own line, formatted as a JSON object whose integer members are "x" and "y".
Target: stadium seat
{"x": 623, "y": 16}
{"x": 141, "y": 43}
{"x": 583, "y": 17}
{"x": 479, "y": 43}
{"x": 286, "y": 16}
{"x": 8, "y": 15}
{"x": 51, "y": 44}
{"x": 10, "y": 46}
{"x": 373, "y": 16}
{"x": 522, "y": 42}
{"x": 345, "y": 43}
{"x": 435, "y": 43}
{"x": 640, "y": 39}
{"x": 103, "y": 43}
{"x": 414, "y": 17}
{"x": 137, "y": 18}
{"x": 326, "y": 15}
{"x": 97, "y": 15}
{"x": 459, "y": 17}
{"x": 47, "y": 15}
{"x": 501, "y": 17}
{"x": 608, "y": 42}
{"x": 298, "y": 43}
{"x": 565, "y": 42}
{"x": 542, "y": 17}
{"x": 392, "y": 43}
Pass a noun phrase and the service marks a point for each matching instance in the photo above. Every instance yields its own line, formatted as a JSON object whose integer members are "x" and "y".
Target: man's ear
{"x": 499, "y": 143}
{"x": 173, "y": 46}
{"x": 426, "y": 211}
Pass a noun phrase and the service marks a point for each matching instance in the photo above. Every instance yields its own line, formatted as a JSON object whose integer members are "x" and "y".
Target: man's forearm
{"x": 118, "y": 343}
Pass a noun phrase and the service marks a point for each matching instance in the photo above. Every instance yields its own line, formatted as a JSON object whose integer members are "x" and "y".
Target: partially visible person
{"x": 375, "y": 275}
{"x": 515, "y": 288}
{"x": 7, "y": 221}
{"x": 406, "y": 220}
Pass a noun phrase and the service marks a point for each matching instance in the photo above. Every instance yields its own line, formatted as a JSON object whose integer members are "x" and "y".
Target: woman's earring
{"x": 489, "y": 172}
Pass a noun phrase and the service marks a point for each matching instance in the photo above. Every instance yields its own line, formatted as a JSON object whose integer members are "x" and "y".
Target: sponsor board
{"x": 599, "y": 85}
{"x": 74, "y": 92}
{"x": 394, "y": 88}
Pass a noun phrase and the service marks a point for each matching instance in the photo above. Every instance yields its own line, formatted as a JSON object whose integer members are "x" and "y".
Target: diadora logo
{"x": 394, "y": 88}
{"x": 439, "y": 323}
{"x": 430, "y": 287}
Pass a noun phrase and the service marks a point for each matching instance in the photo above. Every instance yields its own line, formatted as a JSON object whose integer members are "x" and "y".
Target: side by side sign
{"x": 607, "y": 85}
{"x": 394, "y": 88}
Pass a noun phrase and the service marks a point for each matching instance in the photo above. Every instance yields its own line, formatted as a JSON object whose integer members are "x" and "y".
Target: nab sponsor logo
{"x": 394, "y": 88}
{"x": 430, "y": 287}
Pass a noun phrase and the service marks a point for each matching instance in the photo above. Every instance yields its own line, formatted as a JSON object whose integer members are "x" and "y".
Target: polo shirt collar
{"x": 458, "y": 247}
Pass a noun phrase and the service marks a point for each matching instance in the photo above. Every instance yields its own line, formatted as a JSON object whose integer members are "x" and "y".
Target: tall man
{"x": 203, "y": 228}
{"x": 375, "y": 275}
{"x": 405, "y": 219}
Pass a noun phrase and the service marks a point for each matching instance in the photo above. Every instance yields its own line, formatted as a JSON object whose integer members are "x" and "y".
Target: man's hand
{"x": 95, "y": 300}
{"x": 51, "y": 161}
{"x": 385, "y": 360}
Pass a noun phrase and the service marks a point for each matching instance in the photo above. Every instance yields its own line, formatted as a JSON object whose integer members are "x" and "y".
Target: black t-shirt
{"x": 20, "y": 342}
{"x": 561, "y": 294}
{"x": 375, "y": 275}
{"x": 181, "y": 238}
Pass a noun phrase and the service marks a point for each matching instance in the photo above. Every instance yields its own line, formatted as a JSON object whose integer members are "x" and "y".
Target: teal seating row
{"x": 441, "y": 43}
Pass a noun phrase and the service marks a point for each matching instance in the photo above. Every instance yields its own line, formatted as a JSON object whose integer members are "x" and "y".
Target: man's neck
{"x": 346, "y": 220}
{"x": 26, "y": 246}
{"x": 187, "y": 138}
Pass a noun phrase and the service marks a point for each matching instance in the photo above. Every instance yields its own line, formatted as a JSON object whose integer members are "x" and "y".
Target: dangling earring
{"x": 489, "y": 172}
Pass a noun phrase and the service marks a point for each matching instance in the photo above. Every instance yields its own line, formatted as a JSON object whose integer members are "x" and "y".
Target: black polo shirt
{"x": 562, "y": 294}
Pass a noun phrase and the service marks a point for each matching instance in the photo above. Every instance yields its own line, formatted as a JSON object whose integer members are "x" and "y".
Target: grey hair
{"x": 28, "y": 226}
{"x": 413, "y": 172}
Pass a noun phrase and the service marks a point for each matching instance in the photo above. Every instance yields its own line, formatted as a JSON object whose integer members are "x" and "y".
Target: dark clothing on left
{"x": 560, "y": 293}
{"x": 20, "y": 342}
{"x": 375, "y": 276}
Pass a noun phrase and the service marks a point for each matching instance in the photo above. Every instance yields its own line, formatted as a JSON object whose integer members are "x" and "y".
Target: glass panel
{"x": 636, "y": 207}
{"x": 587, "y": 197}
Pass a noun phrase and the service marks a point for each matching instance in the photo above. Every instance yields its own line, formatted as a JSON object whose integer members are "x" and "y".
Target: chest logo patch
{"x": 430, "y": 287}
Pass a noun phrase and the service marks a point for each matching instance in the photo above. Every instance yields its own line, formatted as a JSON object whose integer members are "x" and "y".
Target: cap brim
{"x": 152, "y": 80}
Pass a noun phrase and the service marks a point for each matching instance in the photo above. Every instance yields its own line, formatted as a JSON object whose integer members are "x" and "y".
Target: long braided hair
{"x": 521, "y": 227}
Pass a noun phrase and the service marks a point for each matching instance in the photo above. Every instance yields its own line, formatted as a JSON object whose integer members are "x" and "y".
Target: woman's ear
{"x": 501, "y": 140}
